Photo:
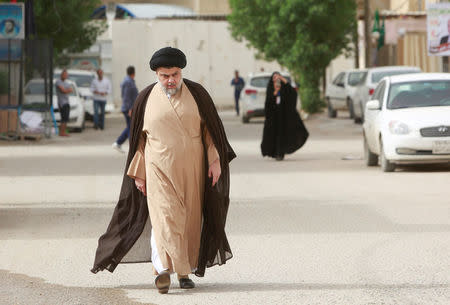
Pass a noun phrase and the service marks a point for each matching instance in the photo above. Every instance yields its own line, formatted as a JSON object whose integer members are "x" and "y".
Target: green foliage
{"x": 302, "y": 35}
{"x": 68, "y": 24}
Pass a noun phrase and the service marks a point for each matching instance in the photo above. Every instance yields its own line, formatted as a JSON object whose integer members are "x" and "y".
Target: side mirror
{"x": 373, "y": 105}
{"x": 341, "y": 85}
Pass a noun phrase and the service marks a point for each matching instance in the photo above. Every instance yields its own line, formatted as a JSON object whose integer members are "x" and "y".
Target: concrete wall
{"x": 403, "y": 6}
{"x": 212, "y": 54}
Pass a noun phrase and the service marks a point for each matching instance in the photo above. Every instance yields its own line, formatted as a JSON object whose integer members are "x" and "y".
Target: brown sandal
{"x": 162, "y": 282}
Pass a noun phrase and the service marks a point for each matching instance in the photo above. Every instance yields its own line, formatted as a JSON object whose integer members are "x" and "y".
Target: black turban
{"x": 167, "y": 58}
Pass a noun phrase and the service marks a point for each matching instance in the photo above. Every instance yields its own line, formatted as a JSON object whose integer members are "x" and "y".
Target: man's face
{"x": 9, "y": 26}
{"x": 64, "y": 75}
{"x": 170, "y": 79}
{"x": 100, "y": 74}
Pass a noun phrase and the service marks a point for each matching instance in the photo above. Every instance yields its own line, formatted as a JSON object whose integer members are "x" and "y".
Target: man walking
{"x": 238, "y": 83}
{"x": 177, "y": 181}
{"x": 129, "y": 93}
{"x": 63, "y": 88}
{"x": 100, "y": 87}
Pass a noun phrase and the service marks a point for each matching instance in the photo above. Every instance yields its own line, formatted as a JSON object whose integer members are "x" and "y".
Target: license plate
{"x": 441, "y": 147}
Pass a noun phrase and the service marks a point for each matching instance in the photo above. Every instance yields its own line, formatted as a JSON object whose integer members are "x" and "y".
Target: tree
{"x": 68, "y": 24}
{"x": 302, "y": 35}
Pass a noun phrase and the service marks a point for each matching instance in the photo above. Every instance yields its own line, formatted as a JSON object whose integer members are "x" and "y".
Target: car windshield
{"x": 83, "y": 81}
{"x": 262, "y": 81}
{"x": 377, "y": 76}
{"x": 354, "y": 78}
{"x": 38, "y": 89}
{"x": 419, "y": 94}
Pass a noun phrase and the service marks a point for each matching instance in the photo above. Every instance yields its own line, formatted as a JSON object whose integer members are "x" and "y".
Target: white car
{"x": 408, "y": 121}
{"x": 253, "y": 95}
{"x": 340, "y": 92}
{"x": 34, "y": 96}
{"x": 367, "y": 86}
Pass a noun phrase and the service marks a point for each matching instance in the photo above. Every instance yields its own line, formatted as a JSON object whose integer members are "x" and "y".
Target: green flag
{"x": 376, "y": 22}
{"x": 381, "y": 38}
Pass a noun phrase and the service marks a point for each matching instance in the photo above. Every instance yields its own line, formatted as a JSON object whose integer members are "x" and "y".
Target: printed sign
{"x": 438, "y": 28}
{"x": 90, "y": 64}
{"x": 12, "y": 21}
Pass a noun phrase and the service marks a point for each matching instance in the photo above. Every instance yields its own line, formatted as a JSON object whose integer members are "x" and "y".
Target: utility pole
{"x": 367, "y": 37}
{"x": 356, "y": 43}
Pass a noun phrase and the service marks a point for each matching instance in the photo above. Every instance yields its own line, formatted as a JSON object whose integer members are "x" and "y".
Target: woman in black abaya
{"x": 284, "y": 132}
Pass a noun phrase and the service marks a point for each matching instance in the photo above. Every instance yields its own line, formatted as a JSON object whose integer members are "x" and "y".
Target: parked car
{"x": 83, "y": 79}
{"x": 253, "y": 95}
{"x": 340, "y": 93}
{"x": 408, "y": 121}
{"x": 34, "y": 95}
{"x": 367, "y": 86}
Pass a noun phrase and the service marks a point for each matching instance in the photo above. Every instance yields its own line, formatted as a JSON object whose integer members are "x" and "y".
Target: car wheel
{"x": 88, "y": 116}
{"x": 386, "y": 165}
{"x": 370, "y": 158}
{"x": 351, "y": 111}
{"x": 357, "y": 120}
{"x": 81, "y": 128}
{"x": 245, "y": 119}
{"x": 331, "y": 112}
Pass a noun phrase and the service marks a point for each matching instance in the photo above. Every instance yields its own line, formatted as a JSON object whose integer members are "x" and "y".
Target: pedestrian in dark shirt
{"x": 129, "y": 93}
{"x": 238, "y": 83}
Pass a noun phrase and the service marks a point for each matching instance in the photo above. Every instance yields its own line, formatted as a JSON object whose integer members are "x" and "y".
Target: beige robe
{"x": 171, "y": 160}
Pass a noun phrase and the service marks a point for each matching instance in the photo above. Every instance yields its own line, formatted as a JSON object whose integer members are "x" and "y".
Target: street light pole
{"x": 367, "y": 37}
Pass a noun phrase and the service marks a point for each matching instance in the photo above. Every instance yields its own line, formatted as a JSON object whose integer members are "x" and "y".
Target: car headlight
{"x": 399, "y": 128}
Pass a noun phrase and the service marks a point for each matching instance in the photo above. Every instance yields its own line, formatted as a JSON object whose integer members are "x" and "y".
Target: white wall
{"x": 212, "y": 54}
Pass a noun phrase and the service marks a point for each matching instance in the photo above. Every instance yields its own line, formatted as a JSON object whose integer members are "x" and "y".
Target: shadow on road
{"x": 246, "y": 287}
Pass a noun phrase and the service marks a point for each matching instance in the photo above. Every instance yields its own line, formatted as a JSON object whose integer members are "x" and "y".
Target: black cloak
{"x": 131, "y": 213}
{"x": 284, "y": 131}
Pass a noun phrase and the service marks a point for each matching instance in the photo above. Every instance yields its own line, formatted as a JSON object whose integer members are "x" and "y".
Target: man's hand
{"x": 140, "y": 184}
{"x": 214, "y": 171}
{"x": 129, "y": 113}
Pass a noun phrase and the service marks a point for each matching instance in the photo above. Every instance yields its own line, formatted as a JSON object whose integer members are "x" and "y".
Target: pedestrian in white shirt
{"x": 100, "y": 87}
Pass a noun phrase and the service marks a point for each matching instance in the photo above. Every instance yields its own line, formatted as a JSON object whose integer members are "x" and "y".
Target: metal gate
{"x": 26, "y": 88}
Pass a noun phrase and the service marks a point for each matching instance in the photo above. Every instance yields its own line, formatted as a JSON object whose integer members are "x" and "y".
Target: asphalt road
{"x": 317, "y": 228}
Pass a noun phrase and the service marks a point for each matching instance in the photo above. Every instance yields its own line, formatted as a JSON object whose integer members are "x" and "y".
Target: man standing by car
{"x": 238, "y": 83}
{"x": 129, "y": 93}
{"x": 63, "y": 89}
{"x": 100, "y": 87}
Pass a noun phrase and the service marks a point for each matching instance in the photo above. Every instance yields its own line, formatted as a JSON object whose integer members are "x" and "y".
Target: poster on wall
{"x": 12, "y": 21}
{"x": 438, "y": 28}
{"x": 90, "y": 64}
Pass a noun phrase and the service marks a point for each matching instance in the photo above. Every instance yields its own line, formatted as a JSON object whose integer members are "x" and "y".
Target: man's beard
{"x": 171, "y": 91}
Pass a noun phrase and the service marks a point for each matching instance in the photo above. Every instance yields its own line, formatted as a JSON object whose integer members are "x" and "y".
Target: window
{"x": 262, "y": 81}
{"x": 379, "y": 92}
{"x": 339, "y": 79}
{"x": 377, "y": 76}
{"x": 83, "y": 81}
{"x": 419, "y": 94}
{"x": 355, "y": 78}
